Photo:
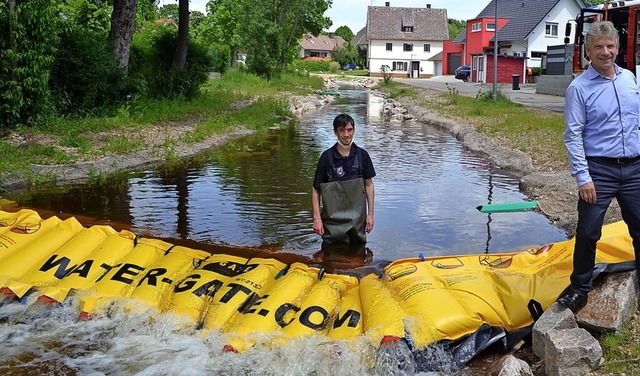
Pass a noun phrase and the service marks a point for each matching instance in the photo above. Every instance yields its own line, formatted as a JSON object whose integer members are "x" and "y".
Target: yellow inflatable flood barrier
{"x": 449, "y": 301}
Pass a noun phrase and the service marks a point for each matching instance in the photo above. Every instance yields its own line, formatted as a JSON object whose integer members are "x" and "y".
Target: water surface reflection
{"x": 256, "y": 191}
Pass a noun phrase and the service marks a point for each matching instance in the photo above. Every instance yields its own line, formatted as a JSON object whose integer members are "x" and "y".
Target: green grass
{"x": 394, "y": 89}
{"x": 236, "y": 99}
{"x": 621, "y": 351}
{"x": 536, "y": 132}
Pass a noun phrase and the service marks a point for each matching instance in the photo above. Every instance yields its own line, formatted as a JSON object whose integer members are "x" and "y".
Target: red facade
{"x": 475, "y": 53}
{"x": 507, "y": 67}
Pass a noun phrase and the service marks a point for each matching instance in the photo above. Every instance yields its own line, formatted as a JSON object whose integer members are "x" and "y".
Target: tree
{"x": 169, "y": 12}
{"x": 122, "y": 27}
{"x": 271, "y": 30}
{"x": 347, "y": 54}
{"x": 147, "y": 11}
{"x": 456, "y": 27}
{"x": 89, "y": 15}
{"x": 182, "y": 45}
{"x": 195, "y": 19}
{"x": 345, "y": 33}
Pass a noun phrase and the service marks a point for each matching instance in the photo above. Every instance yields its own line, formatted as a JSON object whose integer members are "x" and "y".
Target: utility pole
{"x": 495, "y": 54}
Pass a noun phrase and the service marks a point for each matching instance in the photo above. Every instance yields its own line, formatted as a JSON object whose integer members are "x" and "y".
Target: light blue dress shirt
{"x": 601, "y": 119}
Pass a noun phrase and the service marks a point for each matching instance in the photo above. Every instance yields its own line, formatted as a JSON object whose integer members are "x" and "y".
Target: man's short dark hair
{"x": 341, "y": 121}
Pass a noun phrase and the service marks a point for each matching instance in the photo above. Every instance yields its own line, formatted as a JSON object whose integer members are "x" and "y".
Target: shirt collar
{"x": 593, "y": 74}
{"x": 351, "y": 151}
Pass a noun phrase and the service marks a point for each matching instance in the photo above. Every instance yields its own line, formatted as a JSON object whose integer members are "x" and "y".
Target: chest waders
{"x": 344, "y": 211}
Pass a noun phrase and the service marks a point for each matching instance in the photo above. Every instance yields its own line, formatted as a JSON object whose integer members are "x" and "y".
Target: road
{"x": 525, "y": 96}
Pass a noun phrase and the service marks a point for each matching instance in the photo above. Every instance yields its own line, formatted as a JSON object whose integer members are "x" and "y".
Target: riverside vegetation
{"x": 239, "y": 99}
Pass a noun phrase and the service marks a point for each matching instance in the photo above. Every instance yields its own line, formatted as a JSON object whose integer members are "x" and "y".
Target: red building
{"x": 525, "y": 29}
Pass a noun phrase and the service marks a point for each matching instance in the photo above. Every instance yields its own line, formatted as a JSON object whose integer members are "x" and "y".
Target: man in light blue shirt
{"x": 602, "y": 138}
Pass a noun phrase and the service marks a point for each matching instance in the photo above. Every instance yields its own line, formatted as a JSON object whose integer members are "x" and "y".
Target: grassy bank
{"x": 236, "y": 99}
{"x": 536, "y": 132}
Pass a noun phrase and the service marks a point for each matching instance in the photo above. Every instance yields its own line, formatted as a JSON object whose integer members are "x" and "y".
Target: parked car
{"x": 350, "y": 67}
{"x": 463, "y": 73}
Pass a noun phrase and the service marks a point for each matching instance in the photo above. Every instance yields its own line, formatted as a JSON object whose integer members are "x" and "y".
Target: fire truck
{"x": 625, "y": 16}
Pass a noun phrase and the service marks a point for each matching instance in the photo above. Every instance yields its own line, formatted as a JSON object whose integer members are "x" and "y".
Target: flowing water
{"x": 256, "y": 192}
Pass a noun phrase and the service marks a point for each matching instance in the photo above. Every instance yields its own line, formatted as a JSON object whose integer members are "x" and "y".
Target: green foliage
{"x": 28, "y": 42}
{"x": 169, "y": 12}
{"x": 310, "y": 65}
{"x": 347, "y": 54}
{"x": 334, "y": 67}
{"x": 452, "y": 94}
{"x": 151, "y": 64}
{"x": 221, "y": 57}
{"x": 456, "y": 27}
{"x": 88, "y": 15}
{"x": 195, "y": 19}
{"x": 487, "y": 96}
{"x": 361, "y": 60}
{"x": 146, "y": 11}
{"x": 345, "y": 33}
{"x": 84, "y": 75}
{"x": 271, "y": 30}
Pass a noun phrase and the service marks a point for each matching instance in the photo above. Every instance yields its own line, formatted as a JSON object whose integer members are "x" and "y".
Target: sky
{"x": 353, "y": 13}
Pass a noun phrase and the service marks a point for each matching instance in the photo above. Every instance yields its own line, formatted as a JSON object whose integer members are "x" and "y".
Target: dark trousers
{"x": 610, "y": 180}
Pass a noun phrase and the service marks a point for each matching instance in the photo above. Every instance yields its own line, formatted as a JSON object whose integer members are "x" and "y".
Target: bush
{"x": 151, "y": 64}
{"x": 26, "y": 56}
{"x": 334, "y": 66}
{"x": 84, "y": 75}
{"x": 221, "y": 57}
{"x": 311, "y": 65}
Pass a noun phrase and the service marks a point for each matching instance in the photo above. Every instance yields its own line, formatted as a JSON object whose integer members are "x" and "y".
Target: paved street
{"x": 525, "y": 96}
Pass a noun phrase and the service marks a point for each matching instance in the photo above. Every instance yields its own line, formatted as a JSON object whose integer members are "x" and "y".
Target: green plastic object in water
{"x": 507, "y": 207}
{"x": 334, "y": 93}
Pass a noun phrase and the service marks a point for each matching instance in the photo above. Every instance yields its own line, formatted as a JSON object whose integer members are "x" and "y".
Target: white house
{"x": 403, "y": 40}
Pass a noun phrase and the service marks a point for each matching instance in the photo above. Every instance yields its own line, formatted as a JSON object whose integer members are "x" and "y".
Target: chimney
{"x": 386, "y": 3}
{"x": 428, "y": 6}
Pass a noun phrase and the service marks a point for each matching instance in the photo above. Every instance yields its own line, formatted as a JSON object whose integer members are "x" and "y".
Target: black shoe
{"x": 573, "y": 299}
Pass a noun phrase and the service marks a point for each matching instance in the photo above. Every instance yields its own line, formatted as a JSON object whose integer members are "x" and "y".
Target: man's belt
{"x": 616, "y": 161}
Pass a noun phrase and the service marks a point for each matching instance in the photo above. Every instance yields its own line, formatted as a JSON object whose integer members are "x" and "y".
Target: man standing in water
{"x": 343, "y": 182}
{"x": 603, "y": 141}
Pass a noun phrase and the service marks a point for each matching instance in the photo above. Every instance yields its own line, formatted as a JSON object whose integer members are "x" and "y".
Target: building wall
{"x": 507, "y": 67}
{"x": 477, "y": 40}
{"x": 538, "y": 40}
{"x": 379, "y": 56}
{"x": 450, "y": 48}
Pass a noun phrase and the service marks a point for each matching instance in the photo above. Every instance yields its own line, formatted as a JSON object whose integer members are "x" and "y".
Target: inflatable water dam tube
{"x": 458, "y": 303}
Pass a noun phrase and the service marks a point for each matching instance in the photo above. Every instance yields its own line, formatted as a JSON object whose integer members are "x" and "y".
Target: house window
{"x": 476, "y": 26}
{"x": 407, "y": 47}
{"x": 389, "y": 46}
{"x": 551, "y": 29}
{"x": 491, "y": 26}
{"x": 400, "y": 66}
{"x": 427, "y": 48}
{"x": 408, "y": 29}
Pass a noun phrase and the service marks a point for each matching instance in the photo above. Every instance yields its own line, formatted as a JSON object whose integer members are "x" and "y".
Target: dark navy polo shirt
{"x": 357, "y": 164}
